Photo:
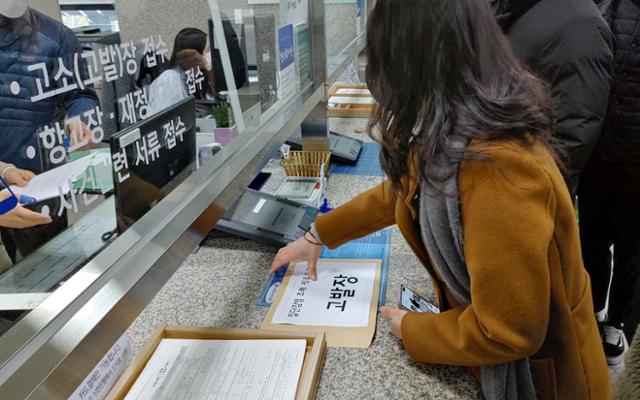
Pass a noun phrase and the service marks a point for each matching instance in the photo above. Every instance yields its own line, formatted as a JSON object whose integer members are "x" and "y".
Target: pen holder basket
{"x": 306, "y": 163}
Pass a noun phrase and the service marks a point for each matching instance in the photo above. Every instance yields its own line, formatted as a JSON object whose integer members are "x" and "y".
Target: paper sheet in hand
{"x": 221, "y": 370}
{"x": 340, "y": 297}
{"x": 47, "y": 185}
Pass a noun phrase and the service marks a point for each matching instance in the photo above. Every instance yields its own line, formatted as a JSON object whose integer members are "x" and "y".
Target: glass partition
{"x": 345, "y": 22}
{"x": 266, "y": 46}
{"x": 101, "y": 124}
{"x": 123, "y": 135}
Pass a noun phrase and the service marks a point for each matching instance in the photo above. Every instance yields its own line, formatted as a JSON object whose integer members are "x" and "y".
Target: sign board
{"x": 297, "y": 11}
{"x": 287, "y": 73}
{"x": 98, "y": 383}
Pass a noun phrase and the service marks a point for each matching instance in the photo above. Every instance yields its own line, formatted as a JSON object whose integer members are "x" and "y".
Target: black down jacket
{"x": 620, "y": 140}
{"x": 568, "y": 44}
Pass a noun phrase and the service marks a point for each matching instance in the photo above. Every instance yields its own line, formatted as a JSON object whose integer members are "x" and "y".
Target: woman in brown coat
{"x": 475, "y": 190}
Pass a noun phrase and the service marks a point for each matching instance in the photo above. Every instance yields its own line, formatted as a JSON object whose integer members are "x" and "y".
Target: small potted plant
{"x": 225, "y": 129}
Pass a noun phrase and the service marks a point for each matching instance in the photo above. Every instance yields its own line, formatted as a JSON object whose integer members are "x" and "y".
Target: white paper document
{"x": 49, "y": 184}
{"x": 340, "y": 297}
{"x": 192, "y": 369}
{"x": 334, "y": 100}
{"x": 347, "y": 91}
{"x": 21, "y": 301}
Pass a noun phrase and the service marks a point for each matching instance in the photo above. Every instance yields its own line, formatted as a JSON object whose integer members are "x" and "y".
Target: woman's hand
{"x": 21, "y": 217}
{"x": 300, "y": 250}
{"x": 190, "y": 58}
{"x": 17, "y": 176}
{"x": 394, "y": 315}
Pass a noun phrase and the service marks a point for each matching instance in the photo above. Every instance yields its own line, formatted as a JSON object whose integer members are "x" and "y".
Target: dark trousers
{"x": 609, "y": 208}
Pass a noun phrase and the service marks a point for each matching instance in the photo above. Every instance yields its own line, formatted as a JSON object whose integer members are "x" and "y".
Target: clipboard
{"x": 309, "y": 376}
{"x": 335, "y": 336}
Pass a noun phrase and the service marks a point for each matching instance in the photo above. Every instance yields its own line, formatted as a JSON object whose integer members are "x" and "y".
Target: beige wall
{"x": 47, "y": 7}
{"x": 143, "y": 18}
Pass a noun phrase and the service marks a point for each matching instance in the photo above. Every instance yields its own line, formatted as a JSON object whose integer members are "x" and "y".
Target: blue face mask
{"x": 9, "y": 203}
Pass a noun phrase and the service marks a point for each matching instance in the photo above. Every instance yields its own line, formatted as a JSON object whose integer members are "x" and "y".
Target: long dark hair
{"x": 441, "y": 70}
{"x": 188, "y": 52}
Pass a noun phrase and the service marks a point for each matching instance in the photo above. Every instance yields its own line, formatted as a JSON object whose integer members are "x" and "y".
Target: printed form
{"x": 221, "y": 370}
{"x": 53, "y": 183}
{"x": 340, "y": 297}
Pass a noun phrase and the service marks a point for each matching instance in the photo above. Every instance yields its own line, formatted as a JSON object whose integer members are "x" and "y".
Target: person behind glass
{"x": 190, "y": 53}
{"x": 609, "y": 192}
{"x": 27, "y": 38}
{"x": 475, "y": 189}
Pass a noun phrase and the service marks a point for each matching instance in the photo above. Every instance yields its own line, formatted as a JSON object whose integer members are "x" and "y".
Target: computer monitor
{"x": 169, "y": 160}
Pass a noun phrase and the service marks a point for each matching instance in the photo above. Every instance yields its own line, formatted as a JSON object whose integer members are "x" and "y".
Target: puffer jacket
{"x": 567, "y": 44}
{"x": 20, "y": 118}
{"x": 620, "y": 140}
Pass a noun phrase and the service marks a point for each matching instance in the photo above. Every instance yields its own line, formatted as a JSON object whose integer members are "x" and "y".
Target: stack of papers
{"x": 350, "y": 91}
{"x": 337, "y": 100}
{"x": 221, "y": 370}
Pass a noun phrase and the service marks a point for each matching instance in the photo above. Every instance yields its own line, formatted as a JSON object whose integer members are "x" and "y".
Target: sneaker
{"x": 615, "y": 343}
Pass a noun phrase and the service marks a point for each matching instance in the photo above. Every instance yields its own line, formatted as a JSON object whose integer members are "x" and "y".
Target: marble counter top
{"x": 219, "y": 285}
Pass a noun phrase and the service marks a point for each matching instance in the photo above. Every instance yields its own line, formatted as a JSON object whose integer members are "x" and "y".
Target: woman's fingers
{"x": 27, "y": 175}
{"x": 299, "y": 250}
{"x": 386, "y": 311}
{"x": 21, "y": 218}
{"x": 312, "y": 265}
{"x": 283, "y": 257}
{"x": 32, "y": 218}
{"x": 17, "y": 176}
{"x": 394, "y": 315}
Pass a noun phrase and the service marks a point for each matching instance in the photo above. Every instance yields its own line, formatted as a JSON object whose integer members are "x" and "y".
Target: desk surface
{"x": 198, "y": 294}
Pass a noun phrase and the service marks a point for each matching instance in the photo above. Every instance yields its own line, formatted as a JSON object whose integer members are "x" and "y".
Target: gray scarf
{"x": 442, "y": 233}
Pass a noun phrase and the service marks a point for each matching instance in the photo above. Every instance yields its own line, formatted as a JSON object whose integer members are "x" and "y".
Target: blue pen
{"x": 24, "y": 199}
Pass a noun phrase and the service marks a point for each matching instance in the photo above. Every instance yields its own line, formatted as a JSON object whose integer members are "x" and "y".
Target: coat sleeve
{"x": 578, "y": 71}
{"x": 367, "y": 213}
{"x": 508, "y": 227}
{"x": 80, "y": 100}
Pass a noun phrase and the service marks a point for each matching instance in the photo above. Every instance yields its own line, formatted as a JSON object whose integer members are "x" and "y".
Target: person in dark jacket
{"x": 609, "y": 191}
{"x": 28, "y": 38}
{"x": 26, "y": 41}
{"x": 568, "y": 44}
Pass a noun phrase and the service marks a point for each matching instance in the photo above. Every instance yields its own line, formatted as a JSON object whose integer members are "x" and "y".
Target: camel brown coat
{"x": 530, "y": 292}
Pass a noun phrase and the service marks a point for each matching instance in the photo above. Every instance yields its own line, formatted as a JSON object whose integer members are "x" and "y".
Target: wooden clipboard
{"x": 335, "y": 336}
